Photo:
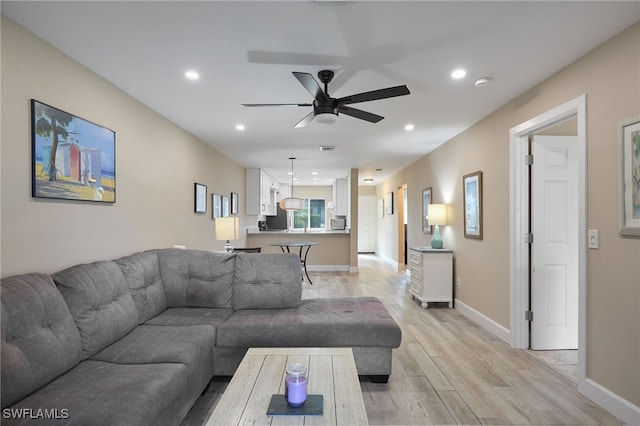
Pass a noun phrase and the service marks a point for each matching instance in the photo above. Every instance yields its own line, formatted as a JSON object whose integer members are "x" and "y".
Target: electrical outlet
{"x": 458, "y": 283}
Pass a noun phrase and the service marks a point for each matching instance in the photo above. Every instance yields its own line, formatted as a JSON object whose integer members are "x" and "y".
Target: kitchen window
{"x": 312, "y": 216}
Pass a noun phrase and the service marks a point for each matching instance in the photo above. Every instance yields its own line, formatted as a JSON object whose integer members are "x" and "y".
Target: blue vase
{"x": 436, "y": 241}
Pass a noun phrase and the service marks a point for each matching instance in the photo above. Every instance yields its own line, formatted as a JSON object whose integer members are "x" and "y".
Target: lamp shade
{"x": 227, "y": 228}
{"x": 437, "y": 214}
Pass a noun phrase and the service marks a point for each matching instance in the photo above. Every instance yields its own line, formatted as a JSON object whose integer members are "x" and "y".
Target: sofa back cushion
{"x": 100, "y": 303}
{"x": 142, "y": 273}
{"x": 197, "y": 278}
{"x": 267, "y": 281}
{"x": 40, "y": 339}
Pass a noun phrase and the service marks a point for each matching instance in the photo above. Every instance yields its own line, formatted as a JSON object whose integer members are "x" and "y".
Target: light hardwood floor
{"x": 448, "y": 370}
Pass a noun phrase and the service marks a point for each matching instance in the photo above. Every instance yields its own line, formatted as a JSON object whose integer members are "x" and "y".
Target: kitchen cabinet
{"x": 431, "y": 275}
{"x": 261, "y": 193}
{"x": 340, "y": 197}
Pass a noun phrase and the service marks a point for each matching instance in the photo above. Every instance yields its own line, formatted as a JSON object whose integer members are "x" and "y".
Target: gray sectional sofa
{"x": 135, "y": 341}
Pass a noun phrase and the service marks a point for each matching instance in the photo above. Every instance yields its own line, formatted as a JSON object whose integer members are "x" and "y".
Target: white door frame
{"x": 519, "y": 223}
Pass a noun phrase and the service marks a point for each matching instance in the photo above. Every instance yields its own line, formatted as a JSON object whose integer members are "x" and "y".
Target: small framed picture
{"x": 225, "y": 206}
{"x": 234, "y": 203}
{"x": 629, "y": 178}
{"x": 426, "y": 200}
{"x": 216, "y": 205}
{"x": 200, "y": 198}
{"x": 472, "y": 201}
{"x": 388, "y": 203}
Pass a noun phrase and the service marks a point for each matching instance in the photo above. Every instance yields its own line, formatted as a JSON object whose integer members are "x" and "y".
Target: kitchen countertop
{"x": 297, "y": 232}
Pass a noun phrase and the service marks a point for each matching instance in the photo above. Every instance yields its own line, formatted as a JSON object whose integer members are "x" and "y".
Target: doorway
{"x": 520, "y": 224}
{"x": 402, "y": 227}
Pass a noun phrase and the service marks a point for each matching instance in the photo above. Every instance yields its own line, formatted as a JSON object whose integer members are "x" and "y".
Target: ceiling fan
{"x": 326, "y": 108}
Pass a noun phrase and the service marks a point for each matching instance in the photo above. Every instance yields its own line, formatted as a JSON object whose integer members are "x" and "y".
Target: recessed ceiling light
{"x": 192, "y": 75}
{"x": 314, "y": 173}
{"x": 239, "y": 126}
{"x": 483, "y": 81}
{"x": 458, "y": 74}
{"x": 409, "y": 127}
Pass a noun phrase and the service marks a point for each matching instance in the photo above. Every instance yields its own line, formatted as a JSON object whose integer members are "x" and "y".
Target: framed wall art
{"x": 71, "y": 158}
{"x": 629, "y": 180}
{"x": 216, "y": 205}
{"x": 472, "y": 201}
{"x": 225, "y": 206}
{"x": 388, "y": 203}
{"x": 200, "y": 198}
{"x": 234, "y": 203}
{"x": 426, "y": 200}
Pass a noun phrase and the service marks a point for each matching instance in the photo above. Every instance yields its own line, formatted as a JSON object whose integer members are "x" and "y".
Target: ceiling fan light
{"x": 325, "y": 118}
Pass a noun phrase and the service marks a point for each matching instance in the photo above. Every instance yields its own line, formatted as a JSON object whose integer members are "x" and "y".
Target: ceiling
{"x": 245, "y": 52}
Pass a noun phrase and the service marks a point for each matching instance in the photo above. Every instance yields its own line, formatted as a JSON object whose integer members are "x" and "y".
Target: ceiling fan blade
{"x": 358, "y": 113}
{"x": 306, "y": 120}
{"x": 311, "y": 85}
{"x": 270, "y": 105}
{"x": 374, "y": 95}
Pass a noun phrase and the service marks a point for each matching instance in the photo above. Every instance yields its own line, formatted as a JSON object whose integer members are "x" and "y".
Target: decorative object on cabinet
{"x": 431, "y": 275}
{"x": 227, "y": 228}
{"x": 472, "y": 200}
{"x": 200, "y": 198}
{"x": 234, "y": 203}
{"x": 426, "y": 200}
{"x": 388, "y": 203}
{"x": 291, "y": 203}
{"x": 437, "y": 217}
{"x": 629, "y": 178}
{"x": 216, "y": 206}
{"x": 71, "y": 158}
{"x": 225, "y": 206}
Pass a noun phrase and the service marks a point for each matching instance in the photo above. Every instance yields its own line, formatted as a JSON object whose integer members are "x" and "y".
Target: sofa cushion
{"x": 340, "y": 322}
{"x": 147, "y": 344}
{"x": 99, "y": 300}
{"x": 40, "y": 340}
{"x": 196, "y": 278}
{"x": 142, "y": 273}
{"x": 101, "y": 393}
{"x": 267, "y": 281}
{"x": 191, "y": 316}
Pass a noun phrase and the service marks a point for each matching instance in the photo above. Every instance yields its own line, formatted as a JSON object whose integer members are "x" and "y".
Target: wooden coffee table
{"x": 331, "y": 372}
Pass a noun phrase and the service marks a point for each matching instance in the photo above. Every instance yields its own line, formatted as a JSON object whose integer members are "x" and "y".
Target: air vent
{"x": 327, "y": 148}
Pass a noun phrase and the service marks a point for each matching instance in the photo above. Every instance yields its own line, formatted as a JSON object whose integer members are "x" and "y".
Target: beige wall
{"x": 610, "y": 77}
{"x": 157, "y": 164}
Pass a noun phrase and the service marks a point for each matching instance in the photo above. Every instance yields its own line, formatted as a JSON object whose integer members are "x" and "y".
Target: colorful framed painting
{"x": 200, "y": 198}
{"x": 629, "y": 180}
{"x": 472, "y": 201}
{"x": 71, "y": 158}
{"x": 426, "y": 200}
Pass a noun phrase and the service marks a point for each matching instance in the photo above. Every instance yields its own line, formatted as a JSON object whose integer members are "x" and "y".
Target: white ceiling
{"x": 245, "y": 53}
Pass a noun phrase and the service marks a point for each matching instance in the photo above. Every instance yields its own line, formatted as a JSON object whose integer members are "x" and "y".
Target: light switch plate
{"x": 592, "y": 239}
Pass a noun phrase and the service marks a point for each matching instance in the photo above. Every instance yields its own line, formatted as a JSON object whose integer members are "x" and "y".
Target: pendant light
{"x": 291, "y": 203}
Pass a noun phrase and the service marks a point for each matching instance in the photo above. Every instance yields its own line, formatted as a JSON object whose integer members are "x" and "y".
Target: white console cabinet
{"x": 431, "y": 275}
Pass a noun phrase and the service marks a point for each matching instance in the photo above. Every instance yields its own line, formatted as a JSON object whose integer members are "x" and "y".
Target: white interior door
{"x": 554, "y": 254}
{"x": 367, "y": 216}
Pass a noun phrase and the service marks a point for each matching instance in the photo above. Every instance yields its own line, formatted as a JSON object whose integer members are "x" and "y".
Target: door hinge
{"x": 528, "y": 315}
{"x": 528, "y": 160}
{"x": 528, "y": 238}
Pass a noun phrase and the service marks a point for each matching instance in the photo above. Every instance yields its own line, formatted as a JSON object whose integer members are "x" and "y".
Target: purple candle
{"x": 295, "y": 385}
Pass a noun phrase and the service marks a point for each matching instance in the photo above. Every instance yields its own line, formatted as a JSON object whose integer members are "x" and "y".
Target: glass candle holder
{"x": 295, "y": 385}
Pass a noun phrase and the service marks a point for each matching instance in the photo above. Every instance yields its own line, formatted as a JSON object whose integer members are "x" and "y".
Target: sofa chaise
{"x": 136, "y": 340}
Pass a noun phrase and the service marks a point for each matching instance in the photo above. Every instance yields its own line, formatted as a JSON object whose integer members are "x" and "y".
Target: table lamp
{"x": 227, "y": 228}
{"x": 437, "y": 217}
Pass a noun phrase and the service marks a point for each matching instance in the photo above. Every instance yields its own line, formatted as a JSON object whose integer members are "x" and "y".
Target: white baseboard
{"x": 354, "y": 269}
{"x": 389, "y": 260}
{"x": 613, "y": 403}
{"x": 484, "y": 321}
{"x": 328, "y": 268}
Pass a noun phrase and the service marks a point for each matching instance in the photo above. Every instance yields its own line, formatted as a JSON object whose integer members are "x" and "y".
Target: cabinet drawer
{"x": 416, "y": 287}
{"x": 415, "y": 258}
{"x": 416, "y": 274}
